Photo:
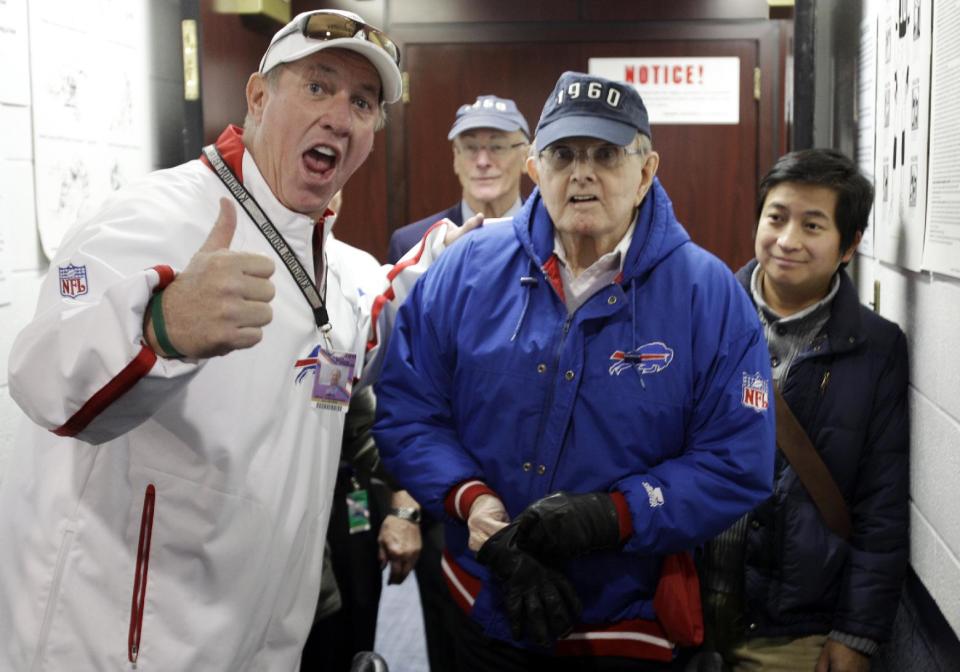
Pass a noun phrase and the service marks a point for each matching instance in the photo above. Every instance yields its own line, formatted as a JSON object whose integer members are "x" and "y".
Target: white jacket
{"x": 239, "y": 465}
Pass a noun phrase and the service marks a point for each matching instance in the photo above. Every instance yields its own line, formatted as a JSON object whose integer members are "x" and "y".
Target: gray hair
{"x": 644, "y": 144}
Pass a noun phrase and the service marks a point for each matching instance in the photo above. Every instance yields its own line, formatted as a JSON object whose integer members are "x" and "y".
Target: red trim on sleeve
{"x": 552, "y": 269}
{"x": 389, "y": 295}
{"x": 462, "y": 496}
{"x": 624, "y": 520}
{"x": 375, "y": 315}
{"x": 109, "y": 393}
{"x": 166, "y": 276}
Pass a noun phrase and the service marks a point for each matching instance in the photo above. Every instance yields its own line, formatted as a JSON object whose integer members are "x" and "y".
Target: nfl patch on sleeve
{"x": 755, "y": 392}
{"x": 73, "y": 281}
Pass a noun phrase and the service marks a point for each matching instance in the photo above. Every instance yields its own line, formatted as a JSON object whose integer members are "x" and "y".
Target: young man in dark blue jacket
{"x": 579, "y": 393}
{"x": 784, "y": 592}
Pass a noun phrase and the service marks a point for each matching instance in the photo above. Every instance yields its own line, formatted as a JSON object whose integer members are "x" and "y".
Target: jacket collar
{"x": 656, "y": 235}
{"x": 296, "y": 228}
{"x": 844, "y": 328}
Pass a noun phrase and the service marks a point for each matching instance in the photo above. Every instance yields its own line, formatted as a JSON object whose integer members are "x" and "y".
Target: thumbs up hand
{"x": 221, "y": 300}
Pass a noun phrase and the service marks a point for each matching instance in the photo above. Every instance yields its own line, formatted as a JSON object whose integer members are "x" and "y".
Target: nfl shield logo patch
{"x": 73, "y": 281}
{"x": 756, "y": 392}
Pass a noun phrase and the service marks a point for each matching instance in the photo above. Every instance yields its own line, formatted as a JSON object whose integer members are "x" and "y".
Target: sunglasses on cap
{"x": 323, "y": 26}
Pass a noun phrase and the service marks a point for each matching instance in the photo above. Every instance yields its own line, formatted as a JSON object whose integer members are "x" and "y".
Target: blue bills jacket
{"x": 656, "y": 389}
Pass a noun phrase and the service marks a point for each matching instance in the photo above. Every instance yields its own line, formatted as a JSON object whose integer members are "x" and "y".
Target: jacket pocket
{"x": 53, "y": 597}
{"x": 812, "y": 558}
{"x": 140, "y": 574}
{"x": 209, "y": 549}
{"x": 677, "y": 600}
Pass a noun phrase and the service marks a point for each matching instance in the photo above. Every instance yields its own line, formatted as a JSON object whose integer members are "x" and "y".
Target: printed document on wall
{"x": 18, "y": 225}
{"x": 4, "y": 253}
{"x": 941, "y": 249}
{"x": 866, "y": 109}
{"x": 903, "y": 113}
{"x": 15, "y": 82}
{"x": 90, "y": 108}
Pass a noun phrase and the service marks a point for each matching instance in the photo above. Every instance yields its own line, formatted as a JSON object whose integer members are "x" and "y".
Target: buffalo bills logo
{"x": 73, "y": 281}
{"x": 755, "y": 392}
{"x": 649, "y": 358}
{"x": 307, "y": 364}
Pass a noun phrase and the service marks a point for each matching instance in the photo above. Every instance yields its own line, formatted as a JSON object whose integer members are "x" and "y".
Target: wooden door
{"x": 709, "y": 171}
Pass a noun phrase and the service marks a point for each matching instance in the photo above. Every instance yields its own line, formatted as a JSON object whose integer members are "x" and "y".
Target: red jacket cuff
{"x": 462, "y": 496}
{"x": 624, "y": 520}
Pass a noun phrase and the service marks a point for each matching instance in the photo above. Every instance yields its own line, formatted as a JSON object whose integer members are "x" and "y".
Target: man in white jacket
{"x": 166, "y": 509}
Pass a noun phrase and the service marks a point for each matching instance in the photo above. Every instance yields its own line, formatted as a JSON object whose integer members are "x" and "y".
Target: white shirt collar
{"x": 467, "y": 212}
{"x": 612, "y": 259}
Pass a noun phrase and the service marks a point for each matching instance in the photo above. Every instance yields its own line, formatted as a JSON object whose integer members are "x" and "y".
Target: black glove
{"x": 540, "y": 601}
{"x": 562, "y": 526}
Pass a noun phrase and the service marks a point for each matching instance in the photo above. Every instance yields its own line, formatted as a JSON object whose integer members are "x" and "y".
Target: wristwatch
{"x": 409, "y": 513}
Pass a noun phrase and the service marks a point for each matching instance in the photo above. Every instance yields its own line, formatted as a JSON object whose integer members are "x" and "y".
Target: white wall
{"x": 927, "y": 308}
{"x": 26, "y": 265}
{"x": 18, "y": 228}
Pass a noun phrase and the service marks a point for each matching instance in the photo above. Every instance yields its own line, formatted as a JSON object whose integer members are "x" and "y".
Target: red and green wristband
{"x": 160, "y": 327}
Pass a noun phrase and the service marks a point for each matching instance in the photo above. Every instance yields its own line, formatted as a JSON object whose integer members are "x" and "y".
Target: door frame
{"x": 767, "y": 35}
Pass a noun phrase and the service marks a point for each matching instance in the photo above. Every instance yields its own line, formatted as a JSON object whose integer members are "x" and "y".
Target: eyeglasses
{"x": 323, "y": 26}
{"x": 605, "y": 156}
{"x": 494, "y": 151}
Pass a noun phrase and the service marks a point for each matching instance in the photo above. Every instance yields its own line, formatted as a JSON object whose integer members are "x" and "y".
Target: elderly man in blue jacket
{"x": 583, "y": 394}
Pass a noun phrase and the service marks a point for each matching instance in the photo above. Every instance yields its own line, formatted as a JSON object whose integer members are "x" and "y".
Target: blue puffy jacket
{"x": 657, "y": 388}
{"x": 849, "y": 392}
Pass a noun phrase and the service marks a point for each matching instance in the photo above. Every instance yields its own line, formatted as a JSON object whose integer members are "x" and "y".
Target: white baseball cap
{"x": 313, "y": 31}
{"x": 489, "y": 112}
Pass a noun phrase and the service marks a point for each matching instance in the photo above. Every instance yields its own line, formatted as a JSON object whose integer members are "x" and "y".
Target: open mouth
{"x": 320, "y": 159}
{"x": 584, "y": 198}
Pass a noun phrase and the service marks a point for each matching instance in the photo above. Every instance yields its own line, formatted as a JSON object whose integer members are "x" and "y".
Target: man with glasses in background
{"x": 490, "y": 139}
{"x": 582, "y": 394}
{"x": 168, "y": 508}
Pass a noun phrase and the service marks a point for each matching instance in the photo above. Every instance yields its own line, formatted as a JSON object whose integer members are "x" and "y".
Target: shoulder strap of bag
{"x": 812, "y": 472}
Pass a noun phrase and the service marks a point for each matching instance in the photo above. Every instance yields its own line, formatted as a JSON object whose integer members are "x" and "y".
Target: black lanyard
{"x": 269, "y": 231}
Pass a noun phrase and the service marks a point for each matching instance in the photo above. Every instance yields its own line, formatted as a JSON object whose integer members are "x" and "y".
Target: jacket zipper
{"x": 53, "y": 596}
{"x": 824, "y": 382}
{"x": 140, "y": 575}
{"x": 548, "y": 405}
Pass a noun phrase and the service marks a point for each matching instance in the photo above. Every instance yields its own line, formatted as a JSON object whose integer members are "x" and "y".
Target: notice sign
{"x": 680, "y": 90}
